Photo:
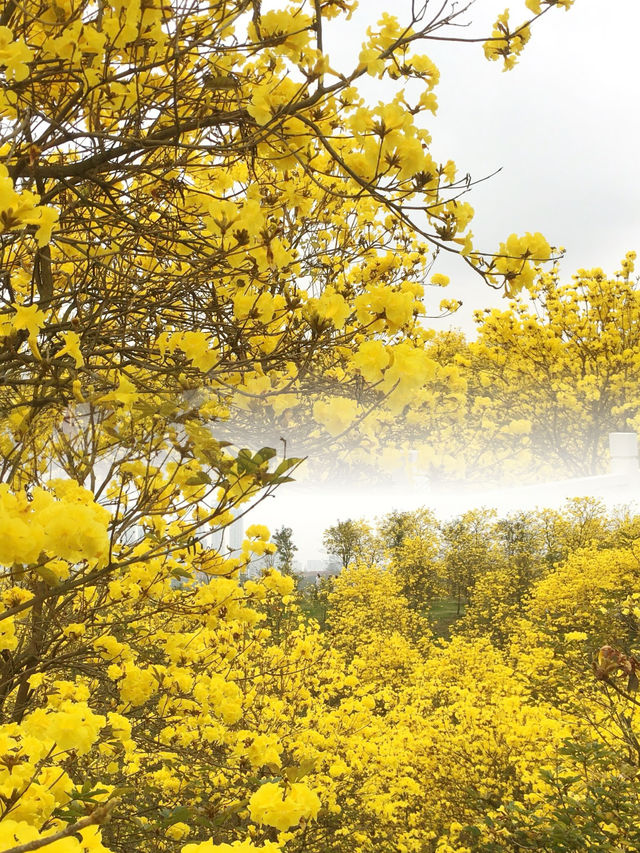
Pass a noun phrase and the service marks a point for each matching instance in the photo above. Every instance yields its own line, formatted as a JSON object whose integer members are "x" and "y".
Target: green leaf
{"x": 265, "y": 454}
{"x": 180, "y": 573}
{"x": 180, "y": 814}
{"x": 123, "y": 790}
{"x": 296, "y": 772}
{"x": 199, "y": 479}
{"x": 47, "y": 575}
{"x": 286, "y": 465}
{"x": 245, "y": 462}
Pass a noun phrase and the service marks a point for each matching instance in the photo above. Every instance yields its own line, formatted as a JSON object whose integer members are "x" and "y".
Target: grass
{"x": 442, "y": 614}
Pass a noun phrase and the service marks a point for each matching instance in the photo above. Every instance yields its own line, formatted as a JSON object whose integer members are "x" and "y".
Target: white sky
{"x": 564, "y": 126}
{"x": 309, "y": 508}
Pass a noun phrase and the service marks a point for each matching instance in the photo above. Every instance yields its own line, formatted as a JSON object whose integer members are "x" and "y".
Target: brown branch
{"x": 620, "y": 691}
{"x": 133, "y": 146}
{"x": 98, "y": 816}
{"x": 7, "y": 13}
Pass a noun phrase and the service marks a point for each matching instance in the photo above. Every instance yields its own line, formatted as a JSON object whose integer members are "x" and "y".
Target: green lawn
{"x": 442, "y": 614}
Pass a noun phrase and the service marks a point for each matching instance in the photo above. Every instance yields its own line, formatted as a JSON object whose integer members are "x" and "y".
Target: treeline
{"x": 533, "y": 394}
{"x": 464, "y": 557}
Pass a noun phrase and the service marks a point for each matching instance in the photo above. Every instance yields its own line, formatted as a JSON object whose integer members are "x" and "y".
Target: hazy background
{"x": 564, "y": 128}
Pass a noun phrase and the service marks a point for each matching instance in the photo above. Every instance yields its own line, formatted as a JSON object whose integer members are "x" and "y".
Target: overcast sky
{"x": 564, "y": 127}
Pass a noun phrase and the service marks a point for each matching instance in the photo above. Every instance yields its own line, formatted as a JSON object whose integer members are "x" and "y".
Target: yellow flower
{"x": 71, "y": 347}
{"x": 335, "y": 415}
{"x": 178, "y": 831}
{"x": 371, "y": 359}
{"x": 440, "y": 280}
{"x": 75, "y": 630}
{"x": 14, "y": 56}
{"x": 28, "y": 317}
{"x": 270, "y": 805}
{"x": 138, "y": 685}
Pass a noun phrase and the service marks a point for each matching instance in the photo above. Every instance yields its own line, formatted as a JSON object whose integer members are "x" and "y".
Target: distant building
{"x": 234, "y": 534}
{"x": 328, "y": 566}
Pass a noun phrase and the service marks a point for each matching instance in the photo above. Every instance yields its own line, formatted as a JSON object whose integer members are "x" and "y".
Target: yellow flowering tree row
{"x": 519, "y": 732}
{"x": 533, "y": 394}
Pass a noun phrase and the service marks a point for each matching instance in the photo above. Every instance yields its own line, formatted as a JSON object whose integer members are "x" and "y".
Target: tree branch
{"x": 98, "y": 816}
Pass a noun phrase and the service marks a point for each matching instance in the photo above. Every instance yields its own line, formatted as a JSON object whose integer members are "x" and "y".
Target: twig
{"x": 99, "y": 815}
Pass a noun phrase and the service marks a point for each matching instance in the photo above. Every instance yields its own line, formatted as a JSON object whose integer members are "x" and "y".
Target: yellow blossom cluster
{"x": 61, "y": 523}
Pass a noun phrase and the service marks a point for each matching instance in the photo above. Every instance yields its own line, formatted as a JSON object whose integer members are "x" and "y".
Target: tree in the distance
{"x": 468, "y": 552}
{"x": 539, "y": 389}
{"x": 349, "y": 540}
{"x": 566, "y": 365}
{"x": 411, "y": 541}
{"x": 283, "y": 539}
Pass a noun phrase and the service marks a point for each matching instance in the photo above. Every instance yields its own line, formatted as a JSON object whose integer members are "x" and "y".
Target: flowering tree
{"x": 536, "y": 392}
{"x": 201, "y": 222}
{"x": 565, "y": 365}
